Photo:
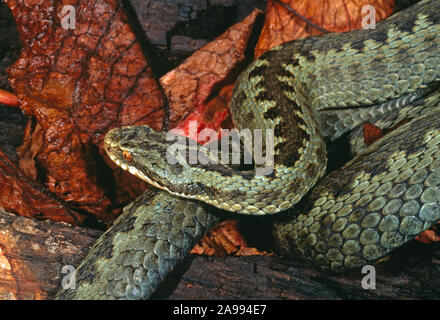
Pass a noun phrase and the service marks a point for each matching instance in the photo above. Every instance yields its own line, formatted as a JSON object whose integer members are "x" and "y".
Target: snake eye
{"x": 127, "y": 156}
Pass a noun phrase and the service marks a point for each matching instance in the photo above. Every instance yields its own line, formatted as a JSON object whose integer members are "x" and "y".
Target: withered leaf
{"x": 281, "y": 25}
{"x": 77, "y": 84}
{"x": 211, "y": 115}
{"x": 206, "y": 71}
{"x": 430, "y": 236}
{"x": 224, "y": 240}
{"x": 372, "y": 133}
{"x": 21, "y": 195}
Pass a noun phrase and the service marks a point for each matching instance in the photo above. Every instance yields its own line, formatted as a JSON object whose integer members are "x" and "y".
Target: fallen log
{"x": 33, "y": 252}
{"x": 263, "y": 277}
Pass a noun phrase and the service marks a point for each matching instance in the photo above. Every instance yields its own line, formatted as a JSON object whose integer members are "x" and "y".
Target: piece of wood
{"x": 32, "y": 253}
{"x": 407, "y": 275}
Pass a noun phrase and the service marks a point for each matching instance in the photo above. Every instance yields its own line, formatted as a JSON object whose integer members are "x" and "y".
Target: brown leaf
{"x": 22, "y": 196}
{"x": 372, "y": 133}
{"x": 33, "y": 141}
{"x": 77, "y": 84}
{"x": 281, "y": 25}
{"x": 224, "y": 240}
{"x": 430, "y": 236}
{"x": 209, "y": 69}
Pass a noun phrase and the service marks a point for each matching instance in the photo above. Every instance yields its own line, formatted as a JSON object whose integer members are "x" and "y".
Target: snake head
{"x": 146, "y": 154}
{"x": 138, "y": 150}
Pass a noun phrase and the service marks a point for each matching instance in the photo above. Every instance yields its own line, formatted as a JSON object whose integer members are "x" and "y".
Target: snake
{"x": 301, "y": 95}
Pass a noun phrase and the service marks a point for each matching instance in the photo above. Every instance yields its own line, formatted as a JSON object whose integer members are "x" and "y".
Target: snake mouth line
{"x": 117, "y": 156}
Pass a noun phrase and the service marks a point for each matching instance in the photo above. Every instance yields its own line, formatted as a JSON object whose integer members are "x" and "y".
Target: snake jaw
{"x": 112, "y": 146}
{"x": 126, "y": 159}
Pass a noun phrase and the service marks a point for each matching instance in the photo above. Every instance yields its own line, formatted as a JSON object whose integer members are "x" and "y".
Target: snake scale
{"x": 308, "y": 91}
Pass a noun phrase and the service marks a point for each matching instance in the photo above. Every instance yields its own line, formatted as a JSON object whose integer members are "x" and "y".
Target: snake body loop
{"x": 306, "y": 91}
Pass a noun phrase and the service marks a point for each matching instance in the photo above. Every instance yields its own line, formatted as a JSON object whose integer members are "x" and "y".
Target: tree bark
{"x": 263, "y": 277}
{"x": 32, "y": 254}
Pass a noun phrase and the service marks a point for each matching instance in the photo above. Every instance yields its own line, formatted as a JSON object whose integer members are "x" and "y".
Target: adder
{"x": 307, "y": 92}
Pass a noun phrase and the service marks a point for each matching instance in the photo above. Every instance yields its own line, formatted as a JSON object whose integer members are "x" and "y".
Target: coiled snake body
{"x": 306, "y": 91}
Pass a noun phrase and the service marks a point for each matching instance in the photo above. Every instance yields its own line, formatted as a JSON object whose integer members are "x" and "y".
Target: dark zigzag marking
{"x": 285, "y": 86}
{"x": 257, "y": 71}
{"x": 271, "y": 113}
{"x": 282, "y": 129}
{"x": 274, "y": 90}
{"x": 262, "y": 96}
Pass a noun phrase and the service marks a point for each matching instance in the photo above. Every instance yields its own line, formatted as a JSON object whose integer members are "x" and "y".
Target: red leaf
{"x": 372, "y": 133}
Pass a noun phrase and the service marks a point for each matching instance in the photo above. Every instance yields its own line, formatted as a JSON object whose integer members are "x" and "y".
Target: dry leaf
{"x": 77, "y": 84}
{"x": 224, "y": 240}
{"x": 208, "y": 70}
{"x": 21, "y": 195}
{"x": 333, "y": 15}
{"x": 430, "y": 235}
{"x": 212, "y": 115}
{"x": 372, "y": 133}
